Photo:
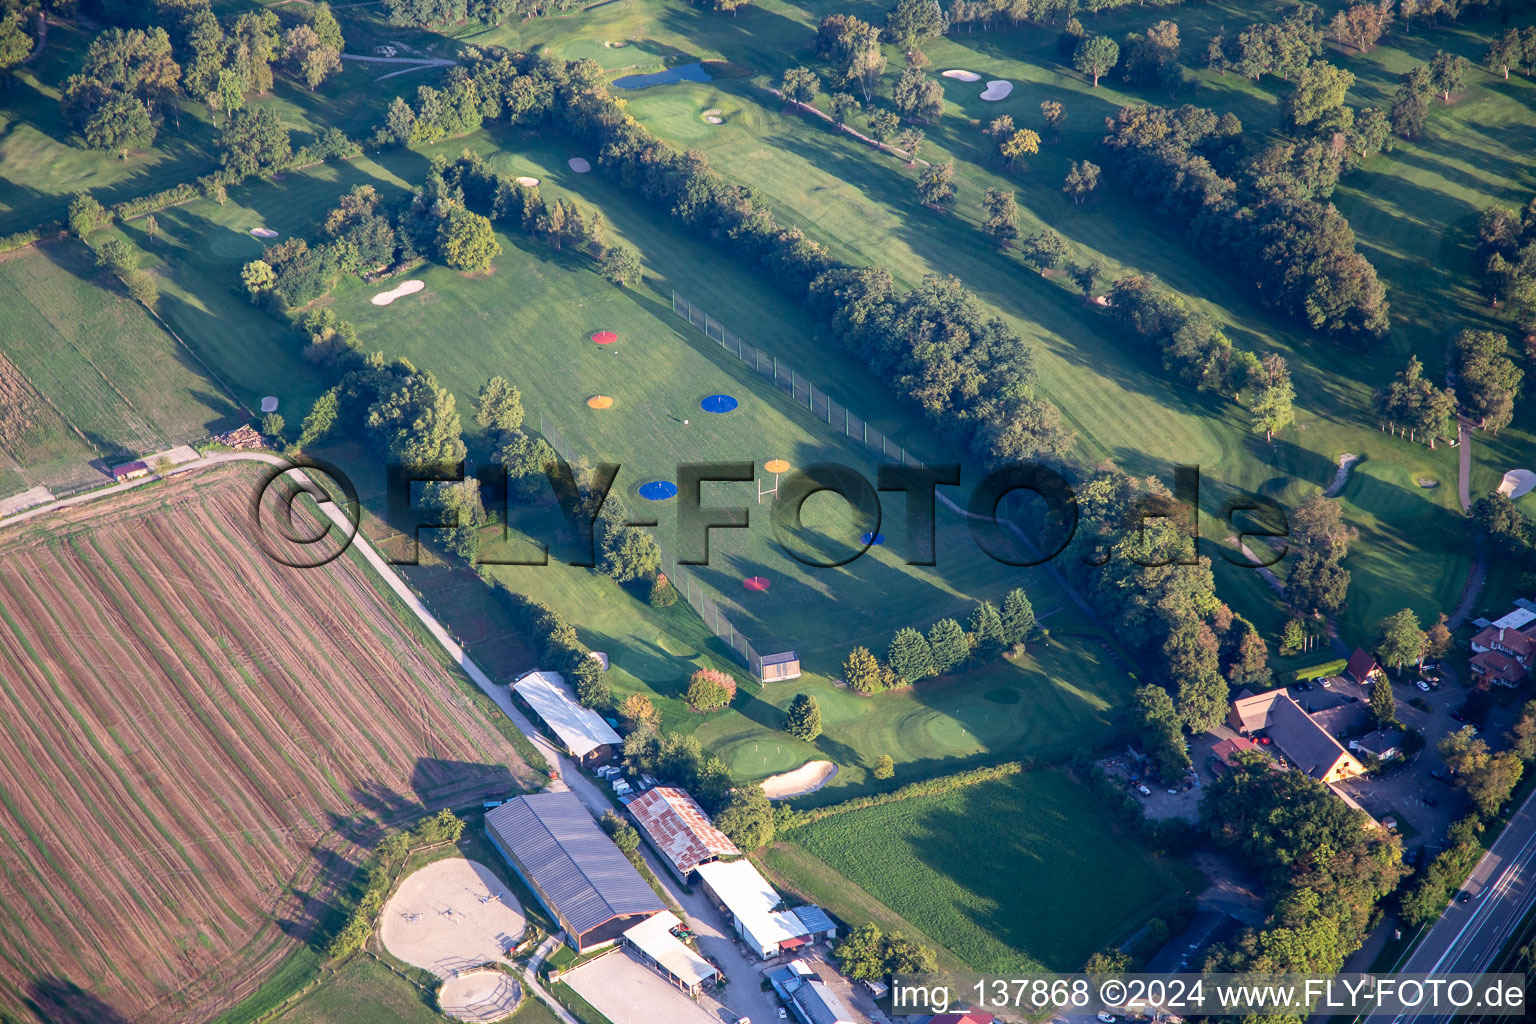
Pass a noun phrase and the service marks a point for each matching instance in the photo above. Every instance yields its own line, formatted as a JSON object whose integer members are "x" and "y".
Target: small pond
{"x": 686, "y": 73}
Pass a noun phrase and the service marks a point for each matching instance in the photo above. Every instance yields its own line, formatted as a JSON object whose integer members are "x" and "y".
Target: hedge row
{"x": 936, "y": 786}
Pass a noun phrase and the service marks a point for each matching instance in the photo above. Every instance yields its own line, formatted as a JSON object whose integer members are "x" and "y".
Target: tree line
{"x": 1299, "y": 253}
{"x": 969, "y": 372}
{"x": 134, "y": 76}
{"x": 913, "y": 656}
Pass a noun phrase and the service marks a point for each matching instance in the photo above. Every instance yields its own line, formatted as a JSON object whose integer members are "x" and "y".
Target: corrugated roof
{"x": 571, "y": 860}
{"x": 679, "y": 828}
{"x": 820, "y": 1004}
{"x": 748, "y": 896}
{"x": 782, "y": 658}
{"x": 654, "y": 937}
{"x": 815, "y": 919}
{"x": 582, "y": 730}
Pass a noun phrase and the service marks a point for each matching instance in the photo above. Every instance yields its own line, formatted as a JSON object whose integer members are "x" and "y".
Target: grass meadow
{"x": 101, "y": 377}
{"x": 1046, "y": 883}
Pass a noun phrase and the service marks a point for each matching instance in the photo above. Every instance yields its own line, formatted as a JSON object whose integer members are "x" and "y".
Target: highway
{"x": 1467, "y": 939}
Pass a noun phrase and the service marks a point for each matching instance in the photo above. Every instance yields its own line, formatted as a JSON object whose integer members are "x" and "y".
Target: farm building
{"x": 581, "y": 731}
{"x": 817, "y": 922}
{"x": 661, "y": 951}
{"x": 678, "y": 829}
{"x": 814, "y": 1003}
{"x": 789, "y": 977}
{"x": 738, "y": 889}
{"x": 580, "y": 877}
{"x": 130, "y": 471}
{"x": 1304, "y": 742}
{"x": 778, "y": 668}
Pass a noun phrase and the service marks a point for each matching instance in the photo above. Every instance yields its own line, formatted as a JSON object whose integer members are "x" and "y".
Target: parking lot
{"x": 623, "y": 989}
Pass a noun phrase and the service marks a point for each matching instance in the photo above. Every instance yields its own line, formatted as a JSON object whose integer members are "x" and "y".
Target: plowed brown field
{"x": 195, "y": 745}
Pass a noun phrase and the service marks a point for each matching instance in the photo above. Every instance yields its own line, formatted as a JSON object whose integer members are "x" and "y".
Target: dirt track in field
{"x": 195, "y": 746}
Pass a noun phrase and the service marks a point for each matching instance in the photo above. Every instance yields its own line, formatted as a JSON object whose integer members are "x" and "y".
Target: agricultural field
{"x": 223, "y": 738}
{"x": 89, "y": 374}
{"x": 1044, "y": 884}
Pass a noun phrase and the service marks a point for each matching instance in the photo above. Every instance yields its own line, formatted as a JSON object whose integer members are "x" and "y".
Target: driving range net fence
{"x": 689, "y": 587}
{"x": 795, "y": 384}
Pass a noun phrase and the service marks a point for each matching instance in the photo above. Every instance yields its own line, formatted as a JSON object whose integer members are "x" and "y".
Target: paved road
{"x": 1469, "y": 935}
{"x": 743, "y": 996}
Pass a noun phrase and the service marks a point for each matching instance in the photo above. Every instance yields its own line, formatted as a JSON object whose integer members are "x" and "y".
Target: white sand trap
{"x": 526, "y": 181}
{"x": 714, "y": 119}
{"x": 1517, "y": 483}
{"x": 436, "y": 920}
{"x": 808, "y": 778}
{"x": 580, "y": 164}
{"x": 479, "y": 996}
{"x": 263, "y": 232}
{"x": 269, "y": 404}
{"x": 1341, "y": 477}
{"x": 600, "y": 658}
{"x": 399, "y": 291}
{"x": 998, "y": 90}
{"x": 962, "y": 76}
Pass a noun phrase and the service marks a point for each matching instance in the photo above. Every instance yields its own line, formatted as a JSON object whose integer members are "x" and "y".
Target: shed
{"x": 657, "y": 948}
{"x": 777, "y": 668}
{"x": 817, "y": 922}
{"x": 580, "y": 730}
{"x": 130, "y": 471}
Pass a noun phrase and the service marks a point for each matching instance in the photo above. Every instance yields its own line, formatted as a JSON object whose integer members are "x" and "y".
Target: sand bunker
{"x": 580, "y": 164}
{"x": 962, "y": 76}
{"x": 269, "y": 404}
{"x": 479, "y": 996}
{"x": 400, "y": 290}
{"x": 1346, "y": 463}
{"x": 437, "y": 919}
{"x": 714, "y": 119}
{"x": 526, "y": 181}
{"x": 1517, "y": 483}
{"x": 997, "y": 90}
{"x": 600, "y": 657}
{"x": 263, "y": 232}
{"x": 808, "y": 778}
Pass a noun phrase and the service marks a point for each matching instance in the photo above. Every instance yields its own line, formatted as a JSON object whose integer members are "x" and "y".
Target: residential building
{"x": 578, "y": 874}
{"x": 1383, "y": 744}
{"x": 1362, "y": 668}
{"x": 1302, "y": 741}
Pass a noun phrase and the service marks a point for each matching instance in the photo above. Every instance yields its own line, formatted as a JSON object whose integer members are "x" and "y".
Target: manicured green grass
{"x": 43, "y": 162}
{"x": 1026, "y": 871}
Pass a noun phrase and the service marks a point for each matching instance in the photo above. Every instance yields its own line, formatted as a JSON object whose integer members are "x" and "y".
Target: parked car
{"x": 1107, "y": 1018}
{"x": 1459, "y": 715}
{"x": 1437, "y": 774}
{"x": 783, "y": 1013}
{"x": 1430, "y": 801}
{"x": 1421, "y": 684}
{"x": 1326, "y": 683}
{"x": 1143, "y": 790}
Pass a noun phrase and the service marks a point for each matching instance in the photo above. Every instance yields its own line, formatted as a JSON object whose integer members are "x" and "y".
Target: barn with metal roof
{"x": 679, "y": 830}
{"x": 580, "y": 876}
